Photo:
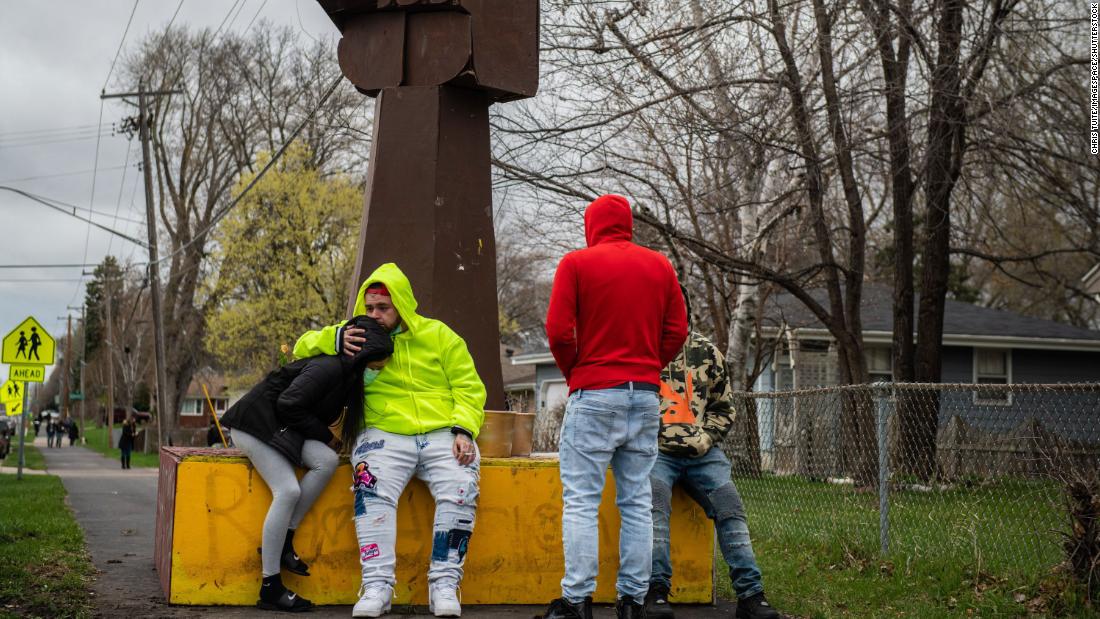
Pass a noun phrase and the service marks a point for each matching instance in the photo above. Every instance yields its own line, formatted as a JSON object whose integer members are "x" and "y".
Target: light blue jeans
{"x": 617, "y": 427}
{"x": 382, "y": 464}
{"x": 707, "y": 480}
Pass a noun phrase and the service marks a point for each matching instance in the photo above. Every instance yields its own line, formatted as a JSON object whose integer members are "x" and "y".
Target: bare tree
{"x": 786, "y": 142}
{"x": 241, "y": 95}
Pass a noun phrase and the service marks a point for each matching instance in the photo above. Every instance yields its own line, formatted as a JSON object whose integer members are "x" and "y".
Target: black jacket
{"x": 126, "y": 438}
{"x": 307, "y": 395}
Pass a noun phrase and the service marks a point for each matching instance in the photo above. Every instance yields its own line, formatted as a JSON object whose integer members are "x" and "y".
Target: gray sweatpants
{"x": 290, "y": 499}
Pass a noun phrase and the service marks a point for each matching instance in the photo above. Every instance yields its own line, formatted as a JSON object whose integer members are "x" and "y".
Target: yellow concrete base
{"x": 515, "y": 555}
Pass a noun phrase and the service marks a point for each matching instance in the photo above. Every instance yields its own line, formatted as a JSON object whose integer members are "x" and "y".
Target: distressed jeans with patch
{"x": 382, "y": 464}
{"x": 617, "y": 427}
{"x": 707, "y": 480}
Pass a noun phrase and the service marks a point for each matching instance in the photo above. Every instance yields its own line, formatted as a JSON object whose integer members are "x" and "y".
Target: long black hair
{"x": 378, "y": 346}
{"x": 353, "y": 410}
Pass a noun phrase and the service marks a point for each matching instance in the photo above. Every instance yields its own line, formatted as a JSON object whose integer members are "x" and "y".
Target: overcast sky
{"x": 54, "y": 60}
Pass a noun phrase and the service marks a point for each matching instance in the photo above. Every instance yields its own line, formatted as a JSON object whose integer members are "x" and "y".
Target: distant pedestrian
{"x": 51, "y": 429}
{"x": 126, "y": 441}
{"x": 5, "y": 442}
{"x": 74, "y": 432}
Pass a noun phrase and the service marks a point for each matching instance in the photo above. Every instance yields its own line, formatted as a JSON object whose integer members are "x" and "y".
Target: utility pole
{"x": 110, "y": 364}
{"x": 83, "y": 364}
{"x": 154, "y": 262}
{"x": 23, "y": 430}
{"x": 66, "y": 378}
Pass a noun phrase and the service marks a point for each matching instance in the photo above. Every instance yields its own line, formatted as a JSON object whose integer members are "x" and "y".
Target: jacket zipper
{"x": 412, "y": 394}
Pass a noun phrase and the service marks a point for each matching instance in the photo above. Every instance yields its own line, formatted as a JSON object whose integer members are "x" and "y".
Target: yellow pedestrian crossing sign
{"x": 28, "y": 344}
{"x": 11, "y": 390}
{"x": 11, "y": 396}
{"x": 14, "y": 407}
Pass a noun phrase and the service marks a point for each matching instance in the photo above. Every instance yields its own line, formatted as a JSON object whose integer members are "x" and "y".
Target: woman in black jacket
{"x": 284, "y": 422}
{"x": 126, "y": 441}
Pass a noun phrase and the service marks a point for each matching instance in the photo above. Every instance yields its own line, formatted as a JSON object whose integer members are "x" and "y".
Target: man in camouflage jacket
{"x": 696, "y": 416}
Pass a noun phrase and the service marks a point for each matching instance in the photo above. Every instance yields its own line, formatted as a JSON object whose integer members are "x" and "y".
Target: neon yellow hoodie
{"x": 428, "y": 384}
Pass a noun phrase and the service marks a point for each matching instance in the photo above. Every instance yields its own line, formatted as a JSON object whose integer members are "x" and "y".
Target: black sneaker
{"x": 562, "y": 609}
{"x": 627, "y": 607}
{"x": 275, "y": 596}
{"x": 656, "y": 602}
{"x": 756, "y": 607}
{"x": 288, "y": 602}
{"x": 290, "y": 560}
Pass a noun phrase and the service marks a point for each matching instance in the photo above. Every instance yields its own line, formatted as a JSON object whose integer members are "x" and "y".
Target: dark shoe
{"x": 656, "y": 602}
{"x": 756, "y": 607}
{"x": 562, "y": 609}
{"x": 627, "y": 607}
{"x": 290, "y": 560}
{"x": 275, "y": 596}
{"x": 288, "y": 602}
{"x": 293, "y": 564}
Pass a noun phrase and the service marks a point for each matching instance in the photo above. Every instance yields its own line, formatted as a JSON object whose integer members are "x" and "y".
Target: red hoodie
{"x": 616, "y": 312}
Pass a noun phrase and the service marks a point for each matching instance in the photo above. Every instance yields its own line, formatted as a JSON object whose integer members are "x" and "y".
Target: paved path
{"x": 117, "y": 509}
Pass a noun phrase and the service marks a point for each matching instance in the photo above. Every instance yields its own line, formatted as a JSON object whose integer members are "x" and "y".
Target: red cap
{"x": 378, "y": 288}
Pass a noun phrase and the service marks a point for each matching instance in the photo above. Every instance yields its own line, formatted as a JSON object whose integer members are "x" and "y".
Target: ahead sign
{"x": 28, "y": 344}
{"x": 29, "y": 373}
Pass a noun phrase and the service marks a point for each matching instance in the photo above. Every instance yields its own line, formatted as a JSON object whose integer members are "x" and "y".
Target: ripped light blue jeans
{"x": 617, "y": 427}
{"x": 707, "y": 480}
{"x": 382, "y": 464}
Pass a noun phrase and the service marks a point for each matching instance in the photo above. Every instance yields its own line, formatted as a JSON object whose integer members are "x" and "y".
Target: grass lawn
{"x": 990, "y": 550}
{"x": 44, "y": 569}
{"x": 97, "y": 441}
{"x": 32, "y": 458}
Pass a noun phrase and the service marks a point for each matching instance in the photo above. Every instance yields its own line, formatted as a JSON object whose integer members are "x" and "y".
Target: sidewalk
{"x": 117, "y": 510}
{"x": 14, "y": 470}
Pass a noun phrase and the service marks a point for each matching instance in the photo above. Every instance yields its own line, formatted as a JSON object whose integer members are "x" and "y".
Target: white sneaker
{"x": 443, "y": 601}
{"x": 374, "y": 600}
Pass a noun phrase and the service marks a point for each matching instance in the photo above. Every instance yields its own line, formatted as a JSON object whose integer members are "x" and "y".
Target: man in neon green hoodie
{"x": 422, "y": 412}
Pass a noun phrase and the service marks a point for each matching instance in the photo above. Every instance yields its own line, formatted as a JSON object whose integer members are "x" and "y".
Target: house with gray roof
{"x": 981, "y": 346}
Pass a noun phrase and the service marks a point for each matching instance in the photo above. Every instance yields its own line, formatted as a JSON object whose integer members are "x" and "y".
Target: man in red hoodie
{"x": 616, "y": 318}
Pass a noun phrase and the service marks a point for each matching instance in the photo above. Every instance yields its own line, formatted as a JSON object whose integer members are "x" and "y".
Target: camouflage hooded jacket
{"x": 695, "y": 400}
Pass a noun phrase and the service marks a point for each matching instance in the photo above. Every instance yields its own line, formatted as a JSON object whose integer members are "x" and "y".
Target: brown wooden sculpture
{"x": 435, "y": 67}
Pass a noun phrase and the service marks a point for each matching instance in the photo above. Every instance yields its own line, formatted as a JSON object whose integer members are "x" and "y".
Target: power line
{"x": 121, "y": 187}
{"x": 46, "y": 266}
{"x": 59, "y": 174}
{"x": 238, "y": 14}
{"x": 60, "y": 140}
{"x": 40, "y": 281}
{"x": 278, "y": 154}
{"x": 95, "y": 164}
{"x": 90, "y": 223}
{"x": 173, "y": 20}
{"x": 58, "y": 204}
{"x": 249, "y": 26}
{"x": 120, "y": 43}
{"x": 64, "y": 129}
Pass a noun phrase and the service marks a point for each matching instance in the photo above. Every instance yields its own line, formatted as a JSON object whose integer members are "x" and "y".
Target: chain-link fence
{"x": 921, "y": 472}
